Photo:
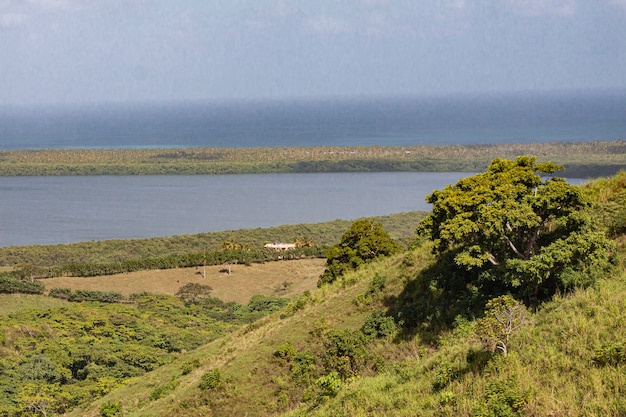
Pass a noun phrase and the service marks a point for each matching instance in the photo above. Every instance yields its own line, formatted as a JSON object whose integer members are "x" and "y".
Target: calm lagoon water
{"x": 49, "y": 210}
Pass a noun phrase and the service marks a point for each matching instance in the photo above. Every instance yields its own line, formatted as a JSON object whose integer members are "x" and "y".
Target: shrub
{"x": 163, "y": 390}
{"x": 444, "y": 376}
{"x": 329, "y": 385}
{"x": 91, "y": 295}
{"x": 503, "y": 317}
{"x": 502, "y": 399}
{"x": 346, "y": 353}
{"x": 286, "y": 351}
{"x": 111, "y": 409}
{"x": 266, "y": 304}
{"x": 189, "y": 366}
{"x": 192, "y": 291}
{"x": 362, "y": 243}
{"x": 61, "y": 293}
{"x": 378, "y": 325}
{"x": 303, "y": 367}
{"x": 211, "y": 380}
{"x": 378, "y": 284}
{"x": 15, "y": 286}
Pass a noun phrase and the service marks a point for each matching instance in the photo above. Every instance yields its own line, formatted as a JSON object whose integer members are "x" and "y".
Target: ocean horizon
{"x": 406, "y": 121}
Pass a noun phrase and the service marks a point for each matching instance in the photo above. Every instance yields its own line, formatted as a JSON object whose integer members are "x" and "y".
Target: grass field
{"x": 282, "y": 279}
{"x": 13, "y": 303}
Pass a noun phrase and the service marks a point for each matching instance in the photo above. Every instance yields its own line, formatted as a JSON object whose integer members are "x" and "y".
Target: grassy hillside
{"x": 380, "y": 341}
{"x": 568, "y": 360}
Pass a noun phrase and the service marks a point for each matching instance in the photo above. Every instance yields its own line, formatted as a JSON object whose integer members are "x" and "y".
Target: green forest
{"x": 506, "y": 299}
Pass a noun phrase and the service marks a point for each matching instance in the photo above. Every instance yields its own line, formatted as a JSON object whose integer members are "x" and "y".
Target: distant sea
{"x": 45, "y": 210}
{"x": 487, "y": 119}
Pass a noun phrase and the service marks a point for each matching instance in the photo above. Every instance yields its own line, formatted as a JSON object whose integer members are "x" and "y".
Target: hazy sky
{"x": 67, "y": 51}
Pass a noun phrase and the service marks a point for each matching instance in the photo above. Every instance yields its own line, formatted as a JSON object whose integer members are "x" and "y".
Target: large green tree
{"x": 363, "y": 242}
{"x": 513, "y": 226}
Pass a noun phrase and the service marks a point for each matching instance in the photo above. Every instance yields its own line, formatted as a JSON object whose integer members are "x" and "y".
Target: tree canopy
{"x": 510, "y": 225}
{"x": 363, "y": 242}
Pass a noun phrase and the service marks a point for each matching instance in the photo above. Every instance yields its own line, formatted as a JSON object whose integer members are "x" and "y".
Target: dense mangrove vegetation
{"x": 581, "y": 159}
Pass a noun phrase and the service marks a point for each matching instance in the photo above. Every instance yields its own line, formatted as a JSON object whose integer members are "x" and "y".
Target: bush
{"x": 502, "y": 399}
{"x": 266, "y": 304}
{"x": 189, "y": 366}
{"x": 346, "y": 353}
{"x": 15, "y": 286}
{"x": 286, "y": 351}
{"x": 211, "y": 380}
{"x": 191, "y": 292}
{"x": 444, "y": 376}
{"x": 101, "y": 296}
{"x": 362, "y": 243}
{"x": 378, "y": 325}
{"x": 61, "y": 293}
{"x": 163, "y": 390}
{"x": 303, "y": 368}
{"x": 329, "y": 385}
{"x": 111, "y": 409}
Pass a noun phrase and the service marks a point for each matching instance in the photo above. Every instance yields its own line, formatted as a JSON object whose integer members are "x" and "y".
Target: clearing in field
{"x": 281, "y": 279}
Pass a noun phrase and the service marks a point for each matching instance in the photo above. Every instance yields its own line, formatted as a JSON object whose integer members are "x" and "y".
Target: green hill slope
{"x": 568, "y": 360}
{"x": 342, "y": 351}
{"x": 380, "y": 341}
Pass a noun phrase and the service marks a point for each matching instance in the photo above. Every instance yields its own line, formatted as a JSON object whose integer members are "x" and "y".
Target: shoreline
{"x": 580, "y": 159}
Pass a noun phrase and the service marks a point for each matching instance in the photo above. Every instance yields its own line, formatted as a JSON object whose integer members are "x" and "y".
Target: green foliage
{"x": 609, "y": 202}
{"x": 446, "y": 373}
{"x": 509, "y": 226}
{"x": 211, "y": 380}
{"x": 583, "y": 159}
{"x": 81, "y": 351}
{"x": 378, "y": 325}
{"x": 503, "y": 317}
{"x": 303, "y": 368}
{"x": 286, "y": 351}
{"x": 10, "y": 285}
{"x": 502, "y": 399}
{"x": 111, "y": 409}
{"x": 192, "y": 291}
{"x": 346, "y": 352}
{"x": 364, "y": 242}
{"x": 92, "y": 295}
{"x": 266, "y": 304}
{"x": 29, "y": 272}
{"x": 378, "y": 284}
{"x": 329, "y": 385}
{"x": 61, "y": 293}
{"x": 162, "y": 390}
{"x": 189, "y": 366}
{"x": 611, "y": 354}
{"x": 40, "y": 368}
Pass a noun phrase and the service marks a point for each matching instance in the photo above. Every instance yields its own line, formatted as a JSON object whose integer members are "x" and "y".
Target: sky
{"x": 103, "y": 51}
